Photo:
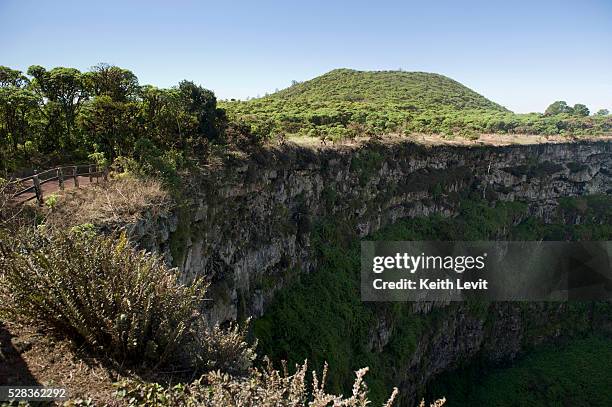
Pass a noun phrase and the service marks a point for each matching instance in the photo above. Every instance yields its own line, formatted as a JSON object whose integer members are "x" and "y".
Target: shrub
{"x": 98, "y": 290}
{"x": 51, "y": 201}
{"x": 159, "y": 163}
{"x": 224, "y": 348}
{"x": 262, "y": 387}
{"x": 98, "y": 158}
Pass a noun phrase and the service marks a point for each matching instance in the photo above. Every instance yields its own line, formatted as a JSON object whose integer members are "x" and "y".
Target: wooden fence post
{"x": 90, "y": 177}
{"x": 105, "y": 174}
{"x": 75, "y": 175}
{"x": 37, "y": 189}
{"x": 60, "y": 178}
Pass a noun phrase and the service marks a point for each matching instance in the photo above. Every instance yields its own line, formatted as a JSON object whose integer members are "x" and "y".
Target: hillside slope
{"x": 416, "y": 91}
{"x": 346, "y": 103}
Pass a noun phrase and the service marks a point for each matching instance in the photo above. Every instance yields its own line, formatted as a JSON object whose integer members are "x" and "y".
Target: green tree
{"x": 602, "y": 112}
{"x": 558, "y": 107}
{"x": 202, "y": 104}
{"x": 109, "y": 125}
{"x": 118, "y": 83}
{"x": 580, "y": 110}
{"x": 16, "y": 107}
{"x": 64, "y": 91}
{"x": 164, "y": 117}
{"x": 12, "y": 77}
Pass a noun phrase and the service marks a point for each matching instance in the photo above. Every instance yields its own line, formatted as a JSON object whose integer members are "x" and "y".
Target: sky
{"x": 521, "y": 54}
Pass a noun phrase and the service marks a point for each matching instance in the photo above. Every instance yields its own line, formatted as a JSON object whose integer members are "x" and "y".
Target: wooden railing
{"x": 59, "y": 174}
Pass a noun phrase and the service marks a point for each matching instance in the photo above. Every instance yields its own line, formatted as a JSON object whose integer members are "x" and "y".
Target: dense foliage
{"x": 62, "y": 114}
{"x": 347, "y": 103}
{"x": 576, "y": 374}
{"x": 327, "y": 304}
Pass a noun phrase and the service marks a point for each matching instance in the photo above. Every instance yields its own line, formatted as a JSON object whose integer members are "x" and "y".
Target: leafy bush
{"x": 153, "y": 161}
{"x": 51, "y": 201}
{"x": 98, "y": 290}
{"x": 224, "y": 348}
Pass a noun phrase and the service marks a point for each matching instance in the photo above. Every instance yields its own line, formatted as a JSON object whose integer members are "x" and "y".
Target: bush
{"x": 263, "y": 387}
{"x": 224, "y": 348}
{"x": 100, "y": 291}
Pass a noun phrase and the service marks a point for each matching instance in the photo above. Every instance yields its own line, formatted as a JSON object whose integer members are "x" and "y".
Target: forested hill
{"x": 104, "y": 115}
{"x": 415, "y": 91}
{"x": 346, "y": 103}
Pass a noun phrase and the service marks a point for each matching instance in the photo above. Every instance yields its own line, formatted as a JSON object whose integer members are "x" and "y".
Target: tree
{"x": 602, "y": 112}
{"x": 580, "y": 110}
{"x": 17, "y": 103}
{"x": 15, "y": 106}
{"x": 12, "y": 77}
{"x": 163, "y": 116}
{"x": 558, "y": 107}
{"x": 109, "y": 125}
{"x": 118, "y": 83}
{"x": 202, "y": 104}
{"x": 64, "y": 91}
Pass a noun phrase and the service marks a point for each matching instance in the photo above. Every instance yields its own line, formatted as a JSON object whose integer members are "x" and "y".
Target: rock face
{"x": 247, "y": 226}
{"x": 461, "y": 336}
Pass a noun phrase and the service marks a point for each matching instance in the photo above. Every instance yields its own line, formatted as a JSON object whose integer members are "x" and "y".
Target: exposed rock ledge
{"x": 247, "y": 226}
{"x": 247, "y": 223}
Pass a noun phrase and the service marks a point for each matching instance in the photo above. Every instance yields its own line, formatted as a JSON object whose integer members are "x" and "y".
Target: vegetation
{"x": 126, "y": 305}
{"x": 123, "y": 199}
{"x": 264, "y": 387}
{"x": 345, "y": 104}
{"x": 62, "y": 114}
{"x": 104, "y": 115}
{"x": 575, "y": 373}
{"x": 98, "y": 291}
{"x": 326, "y": 305}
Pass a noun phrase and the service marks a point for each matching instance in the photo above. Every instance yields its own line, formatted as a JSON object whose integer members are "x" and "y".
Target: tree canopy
{"x": 58, "y": 115}
{"x": 62, "y": 114}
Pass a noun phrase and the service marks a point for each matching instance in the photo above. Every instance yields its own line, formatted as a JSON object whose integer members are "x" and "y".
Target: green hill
{"x": 345, "y": 103}
{"x": 416, "y": 91}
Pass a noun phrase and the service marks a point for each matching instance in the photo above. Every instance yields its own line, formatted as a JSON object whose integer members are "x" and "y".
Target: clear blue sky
{"x": 522, "y": 54}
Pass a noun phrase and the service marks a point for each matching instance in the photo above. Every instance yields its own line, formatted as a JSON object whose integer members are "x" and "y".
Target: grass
{"x": 122, "y": 200}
